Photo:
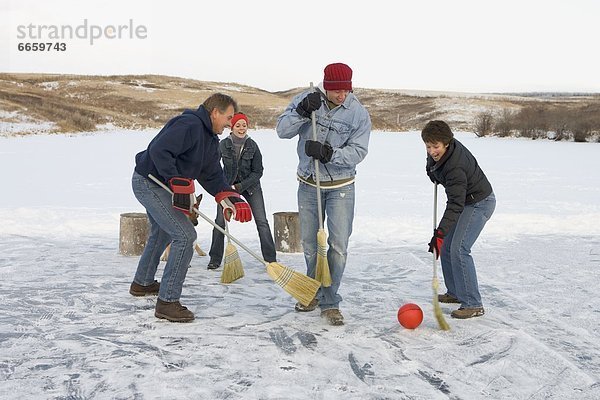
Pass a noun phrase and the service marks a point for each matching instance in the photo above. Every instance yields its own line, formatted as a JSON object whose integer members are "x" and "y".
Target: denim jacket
{"x": 347, "y": 128}
{"x": 246, "y": 171}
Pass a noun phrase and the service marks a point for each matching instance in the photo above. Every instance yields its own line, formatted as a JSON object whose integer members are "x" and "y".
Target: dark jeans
{"x": 257, "y": 204}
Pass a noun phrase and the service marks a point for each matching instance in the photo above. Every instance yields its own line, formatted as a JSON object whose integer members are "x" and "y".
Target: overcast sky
{"x": 458, "y": 45}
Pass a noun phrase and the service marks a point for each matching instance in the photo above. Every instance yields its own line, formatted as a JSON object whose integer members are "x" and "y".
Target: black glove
{"x": 183, "y": 194}
{"x": 321, "y": 151}
{"x": 312, "y": 102}
{"x": 437, "y": 240}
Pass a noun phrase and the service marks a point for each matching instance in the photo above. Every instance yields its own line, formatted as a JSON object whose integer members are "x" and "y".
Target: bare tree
{"x": 558, "y": 121}
{"x": 581, "y": 127}
{"x": 504, "y": 123}
{"x": 531, "y": 122}
{"x": 484, "y": 123}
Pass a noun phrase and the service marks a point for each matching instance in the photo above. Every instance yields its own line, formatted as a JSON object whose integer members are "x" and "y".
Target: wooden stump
{"x": 133, "y": 233}
{"x": 287, "y": 232}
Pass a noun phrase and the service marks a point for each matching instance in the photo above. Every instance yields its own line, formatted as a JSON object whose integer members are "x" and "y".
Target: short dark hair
{"x": 437, "y": 131}
{"x": 221, "y": 102}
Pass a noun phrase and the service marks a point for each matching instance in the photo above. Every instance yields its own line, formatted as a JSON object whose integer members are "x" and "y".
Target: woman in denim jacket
{"x": 243, "y": 168}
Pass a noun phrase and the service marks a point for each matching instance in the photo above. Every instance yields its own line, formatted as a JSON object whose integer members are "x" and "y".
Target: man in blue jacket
{"x": 343, "y": 132}
{"x": 186, "y": 149}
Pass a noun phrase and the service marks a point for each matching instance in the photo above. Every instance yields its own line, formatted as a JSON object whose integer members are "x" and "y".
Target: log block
{"x": 287, "y": 232}
{"x": 133, "y": 233}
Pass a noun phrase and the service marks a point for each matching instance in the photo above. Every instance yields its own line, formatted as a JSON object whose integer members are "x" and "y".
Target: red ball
{"x": 410, "y": 316}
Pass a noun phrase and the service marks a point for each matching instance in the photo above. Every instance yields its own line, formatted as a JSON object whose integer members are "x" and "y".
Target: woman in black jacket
{"x": 471, "y": 203}
{"x": 242, "y": 165}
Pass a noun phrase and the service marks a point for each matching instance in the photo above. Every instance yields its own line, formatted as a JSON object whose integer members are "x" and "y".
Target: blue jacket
{"x": 187, "y": 147}
{"x": 347, "y": 128}
{"x": 245, "y": 172}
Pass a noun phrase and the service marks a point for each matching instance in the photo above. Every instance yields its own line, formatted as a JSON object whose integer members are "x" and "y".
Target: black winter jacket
{"x": 187, "y": 147}
{"x": 464, "y": 181}
{"x": 245, "y": 172}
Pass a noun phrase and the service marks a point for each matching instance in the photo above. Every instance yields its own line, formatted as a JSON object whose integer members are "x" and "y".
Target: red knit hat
{"x": 338, "y": 76}
{"x": 237, "y": 117}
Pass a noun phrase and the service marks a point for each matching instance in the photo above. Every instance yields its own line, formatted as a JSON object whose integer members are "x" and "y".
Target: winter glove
{"x": 435, "y": 245}
{"x": 234, "y": 205}
{"x": 312, "y": 102}
{"x": 321, "y": 151}
{"x": 183, "y": 198}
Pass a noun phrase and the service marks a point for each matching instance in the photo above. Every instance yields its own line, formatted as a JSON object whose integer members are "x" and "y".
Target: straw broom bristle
{"x": 322, "y": 273}
{"x": 437, "y": 310}
{"x": 232, "y": 265}
{"x": 300, "y": 286}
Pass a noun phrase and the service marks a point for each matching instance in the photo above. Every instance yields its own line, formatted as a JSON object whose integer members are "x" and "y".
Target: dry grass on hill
{"x": 75, "y": 103}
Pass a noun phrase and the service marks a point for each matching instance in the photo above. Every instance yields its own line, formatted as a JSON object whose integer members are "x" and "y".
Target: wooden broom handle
{"x": 210, "y": 221}
{"x": 313, "y": 117}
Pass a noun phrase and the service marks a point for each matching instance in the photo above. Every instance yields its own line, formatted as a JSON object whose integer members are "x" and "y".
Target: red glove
{"x": 234, "y": 205}
{"x": 435, "y": 245}
{"x": 183, "y": 198}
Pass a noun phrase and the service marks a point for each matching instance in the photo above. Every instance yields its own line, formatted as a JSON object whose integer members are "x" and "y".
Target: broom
{"x": 303, "y": 288}
{"x": 437, "y": 310}
{"x": 232, "y": 265}
{"x": 322, "y": 273}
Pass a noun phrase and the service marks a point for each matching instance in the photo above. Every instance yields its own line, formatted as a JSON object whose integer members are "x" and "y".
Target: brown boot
{"x": 447, "y": 298}
{"x": 310, "y": 307}
{"x": 464, "y": 313}
{"x": 173, "y": 311}
{"x": 139, "y": 290}
{"x": 333, "y": 316}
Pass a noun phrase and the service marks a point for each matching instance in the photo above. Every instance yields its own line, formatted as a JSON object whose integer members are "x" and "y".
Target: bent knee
{"x": 188, "y": 235}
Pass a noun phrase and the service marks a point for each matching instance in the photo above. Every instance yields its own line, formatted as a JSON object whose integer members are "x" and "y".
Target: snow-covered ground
{"x": 70, "y": 330}
{"x": 16, "y": 123}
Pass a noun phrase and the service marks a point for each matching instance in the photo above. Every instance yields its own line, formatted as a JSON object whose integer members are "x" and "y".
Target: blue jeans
{"x": 167, "y": 225}
{"x": 257, "y": 204}
{"x": 338, "y": 211}
{"x": 457, "y": 264}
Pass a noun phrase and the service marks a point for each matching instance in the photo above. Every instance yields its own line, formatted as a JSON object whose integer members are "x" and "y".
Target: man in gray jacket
{"x": 343, "y": 132}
